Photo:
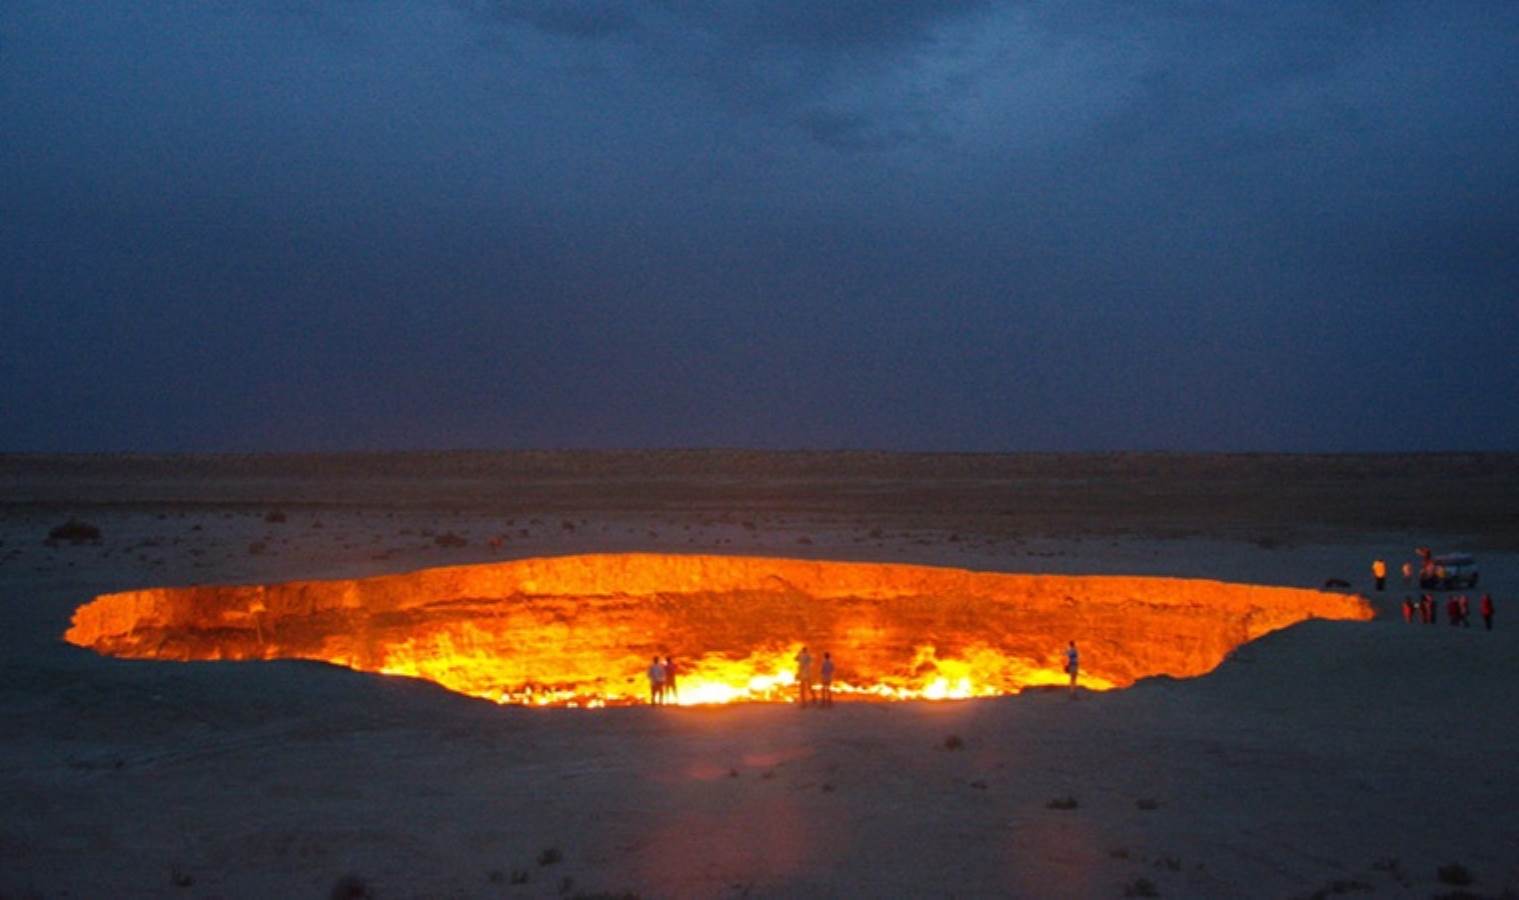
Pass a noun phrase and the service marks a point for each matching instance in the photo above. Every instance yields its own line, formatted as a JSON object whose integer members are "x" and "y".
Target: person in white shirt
{"x": 827, "y": 680}
{"x": 656, "y": 683}
{"x": 804, "y": 676}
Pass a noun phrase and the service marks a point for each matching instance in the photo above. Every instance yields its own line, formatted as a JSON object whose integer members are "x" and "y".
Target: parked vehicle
{"x": 1450, "y": 572}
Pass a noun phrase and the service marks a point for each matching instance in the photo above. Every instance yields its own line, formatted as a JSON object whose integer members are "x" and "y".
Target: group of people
{"x": 1457, "y": 610}
{"x": 1432, "y": 571}
{"x": 662, "y": 686}
{"x": 814, "y": 690}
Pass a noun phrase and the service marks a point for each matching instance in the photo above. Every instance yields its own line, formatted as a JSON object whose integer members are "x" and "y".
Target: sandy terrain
{"x": 1330, "y": 758}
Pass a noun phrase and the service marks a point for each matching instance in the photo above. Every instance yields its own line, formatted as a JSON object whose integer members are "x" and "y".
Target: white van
{"x": 1453, "y": 571}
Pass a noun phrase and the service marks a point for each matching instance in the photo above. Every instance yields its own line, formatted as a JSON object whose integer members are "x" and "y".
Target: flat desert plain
{"x": 1329, "y": 758}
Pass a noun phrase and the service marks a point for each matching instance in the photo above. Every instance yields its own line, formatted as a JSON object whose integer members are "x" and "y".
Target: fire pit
{"x": 580, "y": 630}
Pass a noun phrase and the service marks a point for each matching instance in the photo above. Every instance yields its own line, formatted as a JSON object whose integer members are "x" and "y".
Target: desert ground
{"x": 1325, "y": 759}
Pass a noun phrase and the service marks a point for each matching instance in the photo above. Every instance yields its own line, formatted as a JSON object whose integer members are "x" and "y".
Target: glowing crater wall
{"x": 582, "y": 629}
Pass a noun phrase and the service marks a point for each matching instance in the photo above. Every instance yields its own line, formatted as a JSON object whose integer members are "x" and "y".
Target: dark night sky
{"x": 402, "y": 224}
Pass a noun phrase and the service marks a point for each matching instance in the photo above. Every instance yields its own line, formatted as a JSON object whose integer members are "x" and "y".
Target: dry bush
{"x": 75, "y": 532}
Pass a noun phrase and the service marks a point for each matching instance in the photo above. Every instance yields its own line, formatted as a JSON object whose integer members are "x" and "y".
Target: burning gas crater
{"x": 580, "y": 630}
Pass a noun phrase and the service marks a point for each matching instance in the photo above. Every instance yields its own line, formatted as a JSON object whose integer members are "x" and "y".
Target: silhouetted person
{"x": 1427, "y": 609}
{"x": 671, "y": 691}
{"x": 1464, "y": 607}
{"x": 827, "y": 679}
{"x": 1487, "y": 611}
{"x": 656, "y": 683}
{"x": 804, "y": 677}
{"x": 1408, "y": 609}
{"x": 1379, "y": 572}
{"x": 1072, "y": 664}
{"x": 1408, "y": 573}
{"x": 1452, "y": 611}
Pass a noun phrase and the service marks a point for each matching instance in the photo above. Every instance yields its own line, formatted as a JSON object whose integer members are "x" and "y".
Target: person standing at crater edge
{"x": 671, "y": 691}
{"x": 804, "y": 677}
{"x": 656, "y": 683}
{"x": 827, "y": 680}
{"x": 1072, "y": 664}
{"x": 1379, "y": 572}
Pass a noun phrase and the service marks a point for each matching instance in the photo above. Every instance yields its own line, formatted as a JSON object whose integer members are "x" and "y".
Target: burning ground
{"x": 1323, "y": 757}
{"x": 577, "y": 630}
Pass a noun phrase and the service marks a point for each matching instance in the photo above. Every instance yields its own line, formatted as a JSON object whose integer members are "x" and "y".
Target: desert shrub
{"x": 1147, "y": 803}
{"x": 1454, "y": 873}
{"x": 1341, "y": 886}
{"x": 1066, "y": 802}
{"x": 954, "y": 742}
{"x": 75, "y": 532}
{"x": 519, "y": 876}
{"x": 351, "y": 887}
{"x": 1141, "y": 887}
{"x": 1393, "y": 867}
{"x": 257, "y": 547}
{"x": 549, "y": 856}
{"x": 449, "y": 539}
{"x": 275, "y": 515}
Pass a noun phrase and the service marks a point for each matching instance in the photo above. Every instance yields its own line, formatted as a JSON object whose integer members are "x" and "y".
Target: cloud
{"x": 847, "y": 75}
{"x": 583, "y": 19}
{"x": 848, "y": 131}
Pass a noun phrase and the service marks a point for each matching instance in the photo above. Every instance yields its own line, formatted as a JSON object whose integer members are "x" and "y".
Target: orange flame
{"x": 581, "y": 630}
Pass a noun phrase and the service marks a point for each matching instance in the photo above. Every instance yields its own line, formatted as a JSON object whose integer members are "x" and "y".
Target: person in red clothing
{"x": 1408, "y": 609}
{"x": 1487, "y": 611}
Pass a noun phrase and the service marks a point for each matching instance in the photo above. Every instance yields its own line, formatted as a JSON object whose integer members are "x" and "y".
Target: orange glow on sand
{"x": 581, "y": 630}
